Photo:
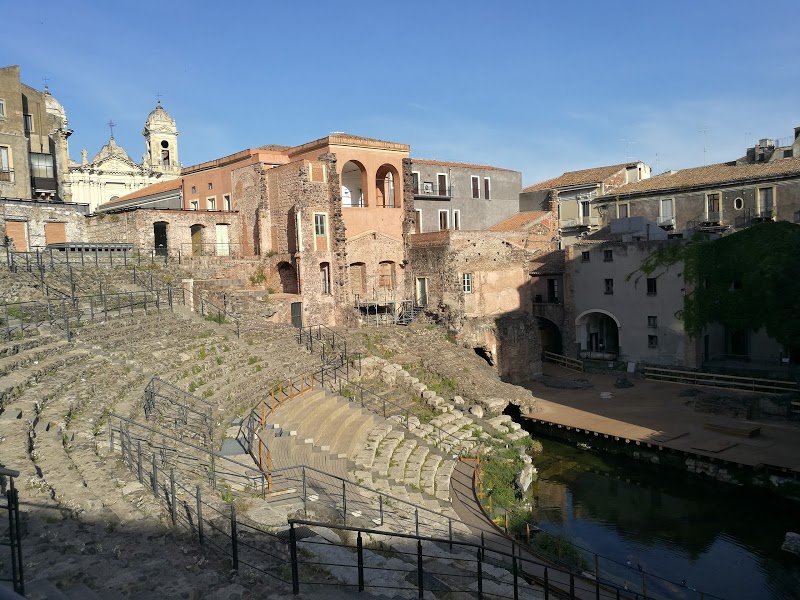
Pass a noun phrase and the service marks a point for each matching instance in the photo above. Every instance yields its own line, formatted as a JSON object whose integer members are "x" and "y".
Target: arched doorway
{"x": 354, "y": 184}
{"x": 598, "y": 335}
{"x": 197, "y": 240}
{"x": 387, "y": 187}
{"x": 288, "y": 277}
{"x": 550, "y": 336}
{"x": 160, "y": 237}
{"x": 358, "y": 279}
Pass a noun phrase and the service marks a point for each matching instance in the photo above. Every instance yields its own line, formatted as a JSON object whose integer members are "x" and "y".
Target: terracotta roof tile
{"x": 710, "y": 175}
{"x": 443, "y": 163}
{"x": 586, "y": 176}
{"x": 150, "y": 190}
{"x": 552, "y": 262}
{"x": 520, "y": 221}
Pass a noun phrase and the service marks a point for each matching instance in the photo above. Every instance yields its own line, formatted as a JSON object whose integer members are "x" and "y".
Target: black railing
{"x": 189, "y": 416}
{"x": 12, "y": 539}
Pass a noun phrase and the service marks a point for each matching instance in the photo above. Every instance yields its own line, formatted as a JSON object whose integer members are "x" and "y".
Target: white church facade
{"x": 112, "y": 173}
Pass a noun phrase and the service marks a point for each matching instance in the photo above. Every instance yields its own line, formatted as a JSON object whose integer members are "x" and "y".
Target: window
{"x": 210, "y": 186}
{"x": 622, "y": 211}
{"x": 476, "y": 187}
{"x": 211, "y": 203}
{"x": 5, "y": 164}
{"x": 652, "y": 287}
{"x": 325, "y": 277}
{"x": 195, "y": 204}
{"x": 466, "y": 283}
{"x": 320, "y": 224}
{"x": 415, "y": 181}
{"x": 608, "y": 255}
{"x": 738, "y": 203}
{"x": 666, "y": 207}
{"x": 226, "y": 199}
{"x": 28, "y": 119}
{"x": 386, "y": 275}
{"x": 417, "y": 220}
{"x": 552, "y": 290}
{"x": 585, "y": 256}
{"x": 765, "y": 202}
{"x": 487, "y": 187}
{"x": 652, "y": 341}
{"x": 609, "y": 286}
{"x": 41, "y": 165}
{"x": 444, "y": 220}
{"x": 2, "y": 109}
{"x": 652, "y": 321}
{"x": 441, "y": 179}
{"x": 585, "y": 209}
{"x": 712, "y": 206}
{"x": 456, "y": 220}
{"x": 194, "y": 189}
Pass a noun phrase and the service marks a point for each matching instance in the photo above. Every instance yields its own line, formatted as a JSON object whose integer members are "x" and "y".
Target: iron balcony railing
{"x": 579, "y": 222}
{"x": 667, "y": 222}
{"x": 7, "y": 175}
{"x": 428, "y": 189}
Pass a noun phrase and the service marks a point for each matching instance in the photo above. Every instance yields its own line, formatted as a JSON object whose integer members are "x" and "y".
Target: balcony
{"x": 751, "y": 217}
{"x": 6, "y": 175}
{"x": 429, "y": 189}
{"x": 581, "y": 223}
{"x": 711, "y": 222}
{"x": 666, "y": 223}
{"x": 44, "y": 185}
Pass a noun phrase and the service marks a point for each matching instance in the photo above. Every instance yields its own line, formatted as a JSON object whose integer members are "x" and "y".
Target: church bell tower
{"x": 161, "y": 142}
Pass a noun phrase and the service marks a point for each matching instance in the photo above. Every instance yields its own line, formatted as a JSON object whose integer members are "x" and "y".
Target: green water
{"x": 686, "y": 533}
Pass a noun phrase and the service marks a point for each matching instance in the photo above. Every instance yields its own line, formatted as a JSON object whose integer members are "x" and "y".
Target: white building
{"x": 112, "y": 173}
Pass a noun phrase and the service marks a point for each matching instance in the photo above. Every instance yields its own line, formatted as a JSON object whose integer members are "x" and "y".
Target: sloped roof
{"x": 112, "y": 149}
{"x": 722, "y": 173}
{"x": 443, "y": 163}
{"x": 552, "y": 262}
{"x": 521, "y": 220}
{"x": 150, "y": 190}
{"x": 586, "y": 176}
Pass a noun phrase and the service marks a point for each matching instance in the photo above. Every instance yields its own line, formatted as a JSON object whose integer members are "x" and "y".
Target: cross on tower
{"x": 158, "y": 96}
{"x": 45, "y": 79}
{"x": 111, "y": 126}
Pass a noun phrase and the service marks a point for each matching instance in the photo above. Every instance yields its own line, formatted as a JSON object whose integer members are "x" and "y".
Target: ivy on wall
{"x": 746, "y": 280}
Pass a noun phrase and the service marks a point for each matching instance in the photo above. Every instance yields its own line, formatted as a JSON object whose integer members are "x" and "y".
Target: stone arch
{"x": 288, "y": 277}
{"x": 388, "y": 187}
{"x": 550, "y": 336}
{"x": 598, "y": 334}
{"x": 387, "y": 275}
{"x": 354, "y": 184}
{"x": 196, "y": 231}
{"x": 160, "y": 237}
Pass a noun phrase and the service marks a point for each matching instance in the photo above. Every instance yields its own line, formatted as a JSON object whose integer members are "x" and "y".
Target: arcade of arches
{"x": 361, "y": 189}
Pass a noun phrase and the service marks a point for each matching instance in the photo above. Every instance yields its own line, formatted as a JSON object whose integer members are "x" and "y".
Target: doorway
{"x": 197, "y": 240}
{"x": 160, "y": 238}
{"x": 422, "y": 291}
{"x": 297, "y": 314}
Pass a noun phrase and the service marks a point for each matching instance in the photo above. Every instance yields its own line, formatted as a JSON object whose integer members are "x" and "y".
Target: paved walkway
{"x": 653, "y": 412}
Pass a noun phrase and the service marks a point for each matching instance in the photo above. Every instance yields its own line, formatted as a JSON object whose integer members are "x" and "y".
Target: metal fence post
{"x": 596, "y": 577}
{"x": 234, "y": 541}
{"x": 380, "y": 507}
{"x": 200, "y": 516}
{"x": 572, "y": 587}
{"x": 450, "y": 532}
{"x": 293, "y": 554}
{"x": 546, "y": 586}
{"x": 360, "y": 563}
{"x": 344, "y": 503}
{"x": 514, "y": 570}
{"x": 155, "y": 476}
{"x": 480, "y": 575}
{"x": 419, "y": 569}
{"x": 305, "y": 494}
{"x": 416, "y": 519}
{"x": 139, "y": 460}
{"x": 172, "y": 497}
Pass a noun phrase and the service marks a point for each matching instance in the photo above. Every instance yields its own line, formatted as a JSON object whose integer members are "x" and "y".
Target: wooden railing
{"x": 732, "y": 382}
{"x": 563, "y": 361}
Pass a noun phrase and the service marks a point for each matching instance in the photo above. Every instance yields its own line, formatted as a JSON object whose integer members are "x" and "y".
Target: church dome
{"x": 159, "y": 118}
{"x": 54, "y": 107}
{"x": 111, "y": 149}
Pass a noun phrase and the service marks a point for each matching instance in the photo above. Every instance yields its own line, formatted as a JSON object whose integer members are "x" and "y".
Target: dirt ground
{"x": 653, "y": 412}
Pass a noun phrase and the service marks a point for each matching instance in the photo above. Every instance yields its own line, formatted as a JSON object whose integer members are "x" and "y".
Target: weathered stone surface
{"x": 526, "y": 477}
{"x": 791, "y": 543}
{"x": 476, "y": 410}
{"x": 458, "y": 401}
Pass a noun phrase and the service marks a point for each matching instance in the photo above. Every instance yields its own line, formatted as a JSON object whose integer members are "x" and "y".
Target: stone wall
{"x": 36, "y": 215}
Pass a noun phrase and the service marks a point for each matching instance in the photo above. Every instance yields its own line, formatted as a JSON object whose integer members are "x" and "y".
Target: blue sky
{"x": 540, "y": 87}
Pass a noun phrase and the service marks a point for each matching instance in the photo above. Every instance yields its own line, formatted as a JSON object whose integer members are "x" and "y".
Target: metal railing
{"x": 12, "y": 538}
{"x": 65, "y": 314}
{"x": 563, "y": 361}
{"x": 415, "y": 572}
{"x": 605, "y": 571}
{"x": 7, "y": 175}
{"x": 180, "y": 411}
{"x": 733, "y": 382}
{"x": 428, "y": 188}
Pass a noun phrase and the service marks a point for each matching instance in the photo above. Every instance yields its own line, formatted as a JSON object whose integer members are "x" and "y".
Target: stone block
{"x": 476, "y": 410}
